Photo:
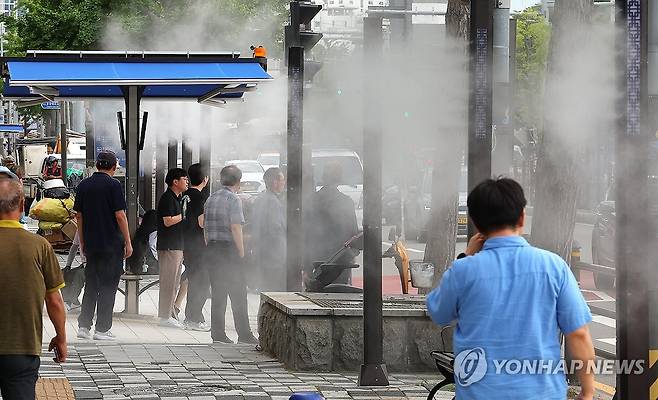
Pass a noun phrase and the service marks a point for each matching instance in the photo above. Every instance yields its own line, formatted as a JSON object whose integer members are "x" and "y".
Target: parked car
{"x": 252, "y": 175}
{"x": 268, "y": 160}
{"x": 603, "y": 242}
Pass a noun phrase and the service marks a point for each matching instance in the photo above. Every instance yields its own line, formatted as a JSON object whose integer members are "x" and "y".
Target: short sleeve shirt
{"x": 98, "y": 198}
{"x": 222, "y": 210}
{"x": 170, "y": 238}
{"x": 511, "y": 300}
{"x": 194, "y": 241}
{"x": 28, "y": 270}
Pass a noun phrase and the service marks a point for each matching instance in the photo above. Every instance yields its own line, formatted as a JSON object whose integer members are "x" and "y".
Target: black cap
{"x": 106, "y": 159}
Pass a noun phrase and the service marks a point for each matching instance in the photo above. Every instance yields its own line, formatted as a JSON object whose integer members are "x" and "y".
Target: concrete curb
{"x": 582, "y": 216}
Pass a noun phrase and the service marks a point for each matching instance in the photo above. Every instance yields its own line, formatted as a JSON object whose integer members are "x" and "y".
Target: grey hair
{"x": 230, "y": 175}
{"x": 11, "y": 194}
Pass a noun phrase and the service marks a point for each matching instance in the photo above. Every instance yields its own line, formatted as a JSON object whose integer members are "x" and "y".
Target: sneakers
{"x": 197, "y": 326}
{"x": 83, "y": 333}
{"x": 104, "y": 336}
{"x": 248, "y": 340}
{"x": 171, "y": 322}
{"x": 175, "y": 311}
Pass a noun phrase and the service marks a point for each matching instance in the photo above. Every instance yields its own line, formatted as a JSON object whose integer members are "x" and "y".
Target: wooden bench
{"x": 445, "y": 363}
{"x": 133, "y": 290}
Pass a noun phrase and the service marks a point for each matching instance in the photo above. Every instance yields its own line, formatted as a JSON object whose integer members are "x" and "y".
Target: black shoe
{"x": 248, "y": 340}
{"x": 222, "y": 339}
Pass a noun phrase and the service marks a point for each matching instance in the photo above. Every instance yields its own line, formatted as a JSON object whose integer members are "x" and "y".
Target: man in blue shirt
{"x": 510, "y": 301}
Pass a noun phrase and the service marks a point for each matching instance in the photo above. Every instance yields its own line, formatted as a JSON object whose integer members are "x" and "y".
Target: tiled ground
{"x": 208, "y": 372}
{"x": 54, "y": 389}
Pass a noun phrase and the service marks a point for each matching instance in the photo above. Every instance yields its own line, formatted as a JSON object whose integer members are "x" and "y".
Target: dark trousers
{"x": 227, "y": 279}
{"x": 18, "y": 376}
{"x": 198, "y": 289}
{"x": 102, "y": 274}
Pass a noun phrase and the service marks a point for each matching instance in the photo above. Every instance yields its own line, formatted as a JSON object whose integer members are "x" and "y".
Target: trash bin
{"x": 422, "y": 274}
{"x": 306, "y": 396}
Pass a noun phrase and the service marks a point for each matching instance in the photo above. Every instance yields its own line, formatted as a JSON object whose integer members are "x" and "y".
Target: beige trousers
{"x": 170, "y": 262}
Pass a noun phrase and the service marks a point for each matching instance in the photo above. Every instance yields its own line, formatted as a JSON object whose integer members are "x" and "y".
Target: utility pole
{"x": 298, "y": 38}
{"x": 480, "y": 96}
{"x": 63, "y": 139}
{"x": 635, "y": 236}
{"x": 503, "y": 150}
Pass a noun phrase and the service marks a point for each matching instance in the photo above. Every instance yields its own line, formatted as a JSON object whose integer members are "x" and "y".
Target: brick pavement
{"x": 208, "y": 372}
{"x": 54, "y": 389}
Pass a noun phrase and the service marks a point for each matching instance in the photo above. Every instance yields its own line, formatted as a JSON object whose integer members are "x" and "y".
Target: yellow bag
{"x": 52, "y": 210}
{"x": 50, "y": 226}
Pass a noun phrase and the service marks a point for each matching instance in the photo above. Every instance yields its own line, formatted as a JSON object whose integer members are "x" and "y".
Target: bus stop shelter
{"x": 207, "y": 78}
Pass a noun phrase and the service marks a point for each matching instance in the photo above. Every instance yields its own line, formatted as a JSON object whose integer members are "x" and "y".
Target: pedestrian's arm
{"x": 122, "y": 221}
{"x": 581, "y": 349}
{"x": 236, "y": 230}
{"x": 172, "y": 220}
{"x": 442, "y": 301}
{"x": 201, "y": 221}
{"x": 78, "y": 219}
{"x": 57, "y": 314}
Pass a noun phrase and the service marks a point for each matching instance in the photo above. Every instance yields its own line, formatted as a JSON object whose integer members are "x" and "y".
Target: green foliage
{"x": 81, "y": 24}
{"x": 28, "y": 115}
{"x": 533, "y": 34}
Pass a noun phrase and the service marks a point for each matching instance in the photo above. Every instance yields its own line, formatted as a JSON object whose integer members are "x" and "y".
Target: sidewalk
{"x": 148, "y": 361}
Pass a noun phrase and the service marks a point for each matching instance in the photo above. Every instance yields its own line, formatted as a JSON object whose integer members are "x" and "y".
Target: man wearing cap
{"x": 30, "y": 275}
{"x": 105, "y": 241}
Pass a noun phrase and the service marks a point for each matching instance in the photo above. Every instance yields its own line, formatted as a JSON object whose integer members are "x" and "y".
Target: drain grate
{"x": 358, "y": 304}
{"x": 175, "y": 390}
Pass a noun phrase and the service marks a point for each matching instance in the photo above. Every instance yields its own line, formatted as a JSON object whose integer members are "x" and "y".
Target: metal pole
{"x": 160, "y": 169}
{"x": 502, "y": 152}
{"x": 90, "y": 140}
{"x": 205, "y": 155}
{"x": 63, "y": 140}
{"x": 634, "y": 235}
{"x": 187, "y": 153}
{"x": 172, "y": 154}
{"x": 479, "y": 109}
{"x": 295, "y": 170}
{"x": 132, "y": 97}
{"x": 373, "y": 370}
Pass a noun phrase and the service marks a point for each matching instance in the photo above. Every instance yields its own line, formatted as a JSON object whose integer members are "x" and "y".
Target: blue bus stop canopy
{"x": 11, "y": 128}
{"x": 204, "y": 79}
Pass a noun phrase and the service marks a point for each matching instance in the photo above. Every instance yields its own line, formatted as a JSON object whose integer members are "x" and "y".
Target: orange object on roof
{"x": 260, "y": 51}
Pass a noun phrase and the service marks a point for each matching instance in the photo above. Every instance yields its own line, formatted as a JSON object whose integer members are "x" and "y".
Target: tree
{"x": 442, "y": 231}
{"x": 557, "y": 188}
{"x": 533, "y": 34}
{"x": 28, "y": 115}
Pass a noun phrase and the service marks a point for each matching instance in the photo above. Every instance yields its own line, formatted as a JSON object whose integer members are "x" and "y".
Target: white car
{"x": 268, "y": 160}
{"x": 252, "y": 175}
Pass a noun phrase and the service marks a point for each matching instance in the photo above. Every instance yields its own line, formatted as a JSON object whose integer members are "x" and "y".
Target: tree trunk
{"x": 442, "y": 229}
{"x": 556, "y": 185}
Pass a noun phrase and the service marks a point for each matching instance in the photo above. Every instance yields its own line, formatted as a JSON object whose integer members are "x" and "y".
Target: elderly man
{"x": 30, "y": 274}
{"x": 269, "y": 233}
{"x": 223, "y": 220}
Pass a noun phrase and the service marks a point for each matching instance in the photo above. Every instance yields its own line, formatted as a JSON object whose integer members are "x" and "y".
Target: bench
{"x": 445, "y": 363}
{"x": 133, "y": 290}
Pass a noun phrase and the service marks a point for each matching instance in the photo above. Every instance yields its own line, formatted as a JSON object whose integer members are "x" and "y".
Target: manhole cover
{"x": 175, "y": 390}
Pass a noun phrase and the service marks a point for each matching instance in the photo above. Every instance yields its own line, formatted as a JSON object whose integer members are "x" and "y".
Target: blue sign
{"x": 50, "y": 105}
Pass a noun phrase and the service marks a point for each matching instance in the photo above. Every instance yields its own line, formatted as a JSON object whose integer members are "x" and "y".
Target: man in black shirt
{"x": 171, "y": 214}
{"x": 105, "y": 241}
{"x": 195, "y": 251}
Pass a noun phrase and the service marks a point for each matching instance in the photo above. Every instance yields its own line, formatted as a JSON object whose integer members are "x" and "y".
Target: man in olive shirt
{"x": 30, "y": 274}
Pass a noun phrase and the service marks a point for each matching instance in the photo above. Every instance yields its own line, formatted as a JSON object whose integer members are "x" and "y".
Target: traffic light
{"x": 299, "y": 32}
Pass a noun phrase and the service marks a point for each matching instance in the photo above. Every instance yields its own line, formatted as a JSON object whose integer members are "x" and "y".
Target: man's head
{"x": 497, "y": 204}
{"x": 106, "y": 161}
{"x": 176, "y": 179}
{"x": 9, "y": 161}
{"x": 11, "y": 196}
{"x": 197, "y": 175}
{"x": 230, "y": 176}
{"x": 332, "y": 174}
{"x": 274, "y": 180}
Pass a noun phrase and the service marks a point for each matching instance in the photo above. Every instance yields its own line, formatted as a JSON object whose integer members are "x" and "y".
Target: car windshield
{"x": 352, "y": 169}
{"x": 269, "y": 160}
{"x": 427, "y": 182}
{"x": 250, "y": 167}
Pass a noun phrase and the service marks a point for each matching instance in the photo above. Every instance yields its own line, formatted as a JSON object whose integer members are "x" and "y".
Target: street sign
{"x": 50, "y": 105}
